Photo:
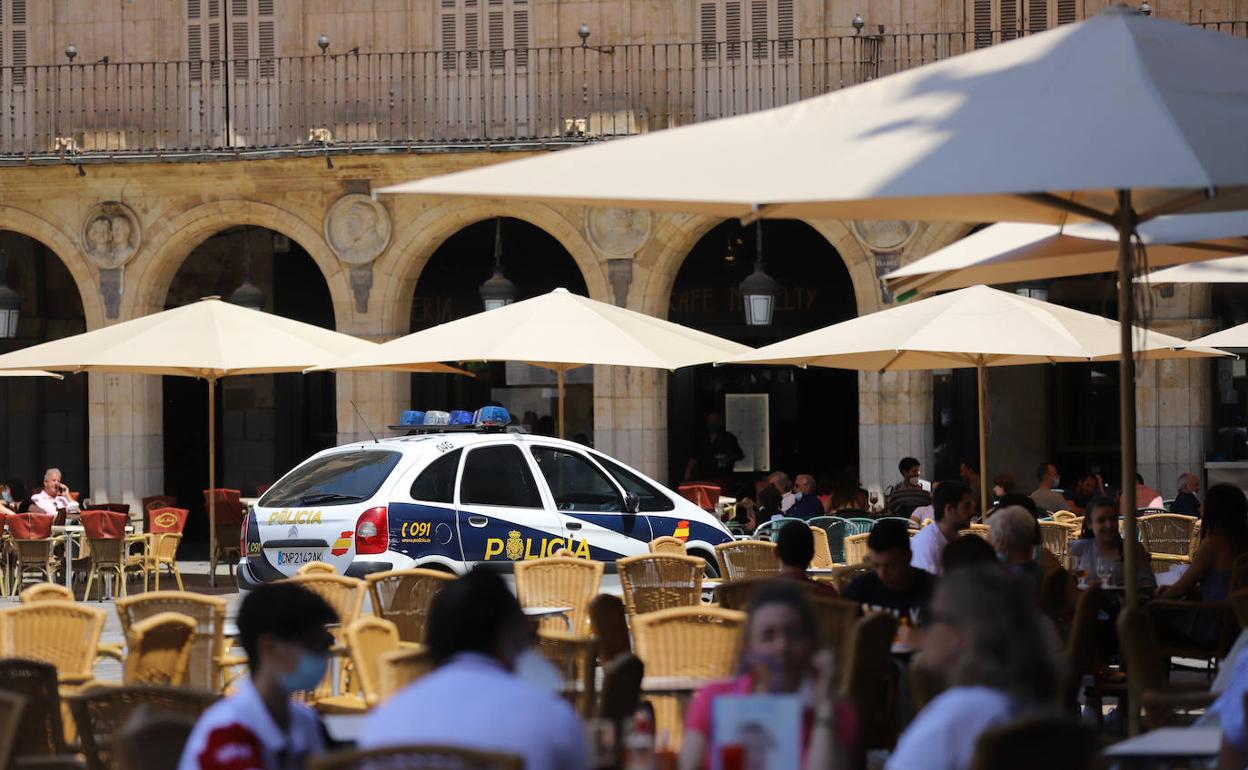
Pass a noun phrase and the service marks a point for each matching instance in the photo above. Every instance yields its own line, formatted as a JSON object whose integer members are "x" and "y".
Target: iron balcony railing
{"x": 435, "y": 99}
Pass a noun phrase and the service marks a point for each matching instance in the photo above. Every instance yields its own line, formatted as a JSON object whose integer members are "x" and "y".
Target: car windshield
{"x": 336, "y": 479}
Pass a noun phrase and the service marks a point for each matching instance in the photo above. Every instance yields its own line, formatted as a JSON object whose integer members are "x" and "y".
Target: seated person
{"x": 778, "y": 657}
{"x": 1186, "y": 502}
{"x": 893, "y": 585}
{"x": 282, "y": 626}
{"x": 1043, "y": 556}
{"x": 968, "y": 552}
{"x": 954, "y": 507}
{"x": 1099, "y": 549}
{"x": 1087, "y": 486}
{"x": 1223, "y": 538}
{"x": 54, "y": 498}
{"x": 795, "y": 549}
{"x": 806, "y": 504}
{"x": 904, "y": 497}
{"x": 1012, "y": 534}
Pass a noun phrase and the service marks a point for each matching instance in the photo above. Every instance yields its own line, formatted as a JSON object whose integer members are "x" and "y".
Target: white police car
{"x": 451, "y": 497}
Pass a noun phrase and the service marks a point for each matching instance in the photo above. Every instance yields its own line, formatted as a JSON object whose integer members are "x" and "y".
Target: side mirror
{"x": 632, "y": 503}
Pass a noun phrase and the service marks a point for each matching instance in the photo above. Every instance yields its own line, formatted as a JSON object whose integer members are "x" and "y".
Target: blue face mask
{"x": 798, "y": 495}
{"x": 308, "y": 674}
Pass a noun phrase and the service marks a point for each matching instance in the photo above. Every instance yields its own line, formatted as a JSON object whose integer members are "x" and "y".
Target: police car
{"x": 451, "y": 497}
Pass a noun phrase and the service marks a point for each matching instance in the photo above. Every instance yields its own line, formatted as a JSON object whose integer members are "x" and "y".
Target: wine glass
{"x": 1104, "y": 570}
{"x": 874, "y": 498}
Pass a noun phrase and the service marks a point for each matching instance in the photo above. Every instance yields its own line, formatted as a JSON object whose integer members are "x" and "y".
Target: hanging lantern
{"x": 759, "y": 290}
{"x": 10, "y": 302}
{"x": 497, "y": 291}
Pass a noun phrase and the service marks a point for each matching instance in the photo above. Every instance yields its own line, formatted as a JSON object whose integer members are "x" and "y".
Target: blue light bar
{"x": 412, "y": 418}
{"x": 491, "y": 417}
{"x": 461, "y": 417}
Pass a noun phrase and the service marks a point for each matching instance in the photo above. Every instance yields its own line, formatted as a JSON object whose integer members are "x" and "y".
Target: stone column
{"x": 381, "y": 398}
{"x": 630, "y": 417}
{"x": 894, "y": 421}
{"x": 126, "y": 454}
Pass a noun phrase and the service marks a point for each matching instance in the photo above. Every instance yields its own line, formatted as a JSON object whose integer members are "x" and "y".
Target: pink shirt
{"x": 698, "y": 716}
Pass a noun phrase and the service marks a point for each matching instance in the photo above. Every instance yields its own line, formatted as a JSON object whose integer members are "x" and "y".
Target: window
{"x": 436, "y": 483}
{"x": 503, "y": 23}
{"x": 498, "y": 475}
{"x": 652, "y": 500}
{"x": 252, "y": 38}
{"x": 729, "y": 22}
{"x": 13, "y": 39}
{"x": 337, "y": 479}
{"x": 203, "y": 37}
{"x": 575, "y": 483}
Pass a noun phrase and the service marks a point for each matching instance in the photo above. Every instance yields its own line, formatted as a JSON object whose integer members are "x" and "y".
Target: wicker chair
{"x": 64, "y": 634}
{"x": 41, "y": 730}
{"x": 100, "y": 712}
{"x": 344, "y": 594}
{"x": 835, "y": 528}
{"x": 1055, "y": 537}
{"x": 12, "y": 706}
{"x": 869, "y": 679}
{"x": 742, "y": 559}
{"x": 559, "y": 581}
{"x": 609, "y": 621}
{"x": 105, "y": 533}
{"x": 1064, "y": 516}
{"x": 857, "y": 525}
{"x": 856, "y": 548}
{"x": 424, "y": 757}
{"x": 317, "y": 568}
{"x": 576, "y": 659}
{"x": 46, "y": 592}
{"x": 209, "y": 652}
{"x": 228, "y": 526}
{"x": 698, "y": 642}
{"x": 660, "y": 581}
{"x": 160, "y": 550}
{"x": 158, "y": 649}
{"x": 845, "y": 574}
{"x": 151, "y": 739}
{"x": 153, "y": 503}
{"x": 667, "y": 544}
{"x": 1038, "y": 743}
{"x": 1148, "y": 675}
{"x": 1168, "y": 537}
{"x": 836, "y": 619}
{"x": 768, "y": 530}
{"x": 403, "y": 597}
{"x": 401, "y": 667}
{"x": 367, "y": 639}
{"x": 979, "y": 530}
{"x": 33, "y": 547}
{"x": 823, "y": 550}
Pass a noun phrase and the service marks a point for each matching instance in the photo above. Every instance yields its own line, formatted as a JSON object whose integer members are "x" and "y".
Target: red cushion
{"x": 30, "y": 526}
{"x": 105, "y": 525}
{"x": 167, "y": 519}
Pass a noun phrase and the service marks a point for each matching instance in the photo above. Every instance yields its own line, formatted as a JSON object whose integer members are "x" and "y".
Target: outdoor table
{"x": 344, "y": 728}
{"x": 71, "y": 531}
{"x": 537, "y": 613}
{"x": 1167, "y": 746}
{"x": 673, "y": 685}
{"x": 819, "y": 570}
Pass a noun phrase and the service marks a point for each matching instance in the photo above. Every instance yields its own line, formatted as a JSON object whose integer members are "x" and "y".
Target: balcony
{"x": 431, "y": 101}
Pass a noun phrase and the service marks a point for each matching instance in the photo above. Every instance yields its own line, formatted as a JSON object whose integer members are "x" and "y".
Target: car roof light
{"x": 461, "y": 417}
{"x": 412, "y": 418}
{"x": 437, "y": 418}
{"x": 491, "y": 417}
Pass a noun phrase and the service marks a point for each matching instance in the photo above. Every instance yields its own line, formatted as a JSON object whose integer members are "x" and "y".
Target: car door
{"x": 423, "y": 520}
{"x": 592, "y": 506}
{"x": 499, "y": 508}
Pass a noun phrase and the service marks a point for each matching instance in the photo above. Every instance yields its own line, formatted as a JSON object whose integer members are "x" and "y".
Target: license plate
{"x": 298, "y": 556}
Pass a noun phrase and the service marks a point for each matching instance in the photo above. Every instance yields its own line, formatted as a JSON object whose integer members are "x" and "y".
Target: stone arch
{"x": 174, "y": 238}
{"x": 417, "y": 241}
{"x": 63, "y": 245}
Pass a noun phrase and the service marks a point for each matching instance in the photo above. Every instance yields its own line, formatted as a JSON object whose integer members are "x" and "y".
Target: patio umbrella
{"x": 209, "y": 339}
{"x": 558, "y": 331}
{"x": 1149, "y": 115}
{"x": 1226, "y": 270}
{"x": 1234, "y": 337}
{"x": 1012, "y": 252}
{"x": 30, "y": 373}
{"x": 977, "y": 326}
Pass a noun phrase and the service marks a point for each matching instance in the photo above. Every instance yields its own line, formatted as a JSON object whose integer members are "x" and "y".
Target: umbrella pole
{"x": 1126, "y": 391}
{"x": 983, "y": 437}
{"x": 559, "y": 379}
{"x": 212, "y": 478}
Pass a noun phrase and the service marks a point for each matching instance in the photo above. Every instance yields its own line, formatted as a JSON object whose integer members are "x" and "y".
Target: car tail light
{"x": 372, "y": 531}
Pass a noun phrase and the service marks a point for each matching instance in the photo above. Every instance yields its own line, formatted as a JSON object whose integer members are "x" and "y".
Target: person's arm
{"x": 825, "y": 751}
{"x": 1202, "y": 561}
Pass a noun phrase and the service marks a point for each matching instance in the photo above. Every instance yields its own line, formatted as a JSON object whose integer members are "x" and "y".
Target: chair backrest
{"x": 229, "y": 505}
{"x": 667, "y": 544}
{"x": 609, "y": 621}
{"x": 102, "y": 712}
{"x": 317, "y": 568}
{"x": 844, "y": 574}
{"x": 46, "y": 592}
{"x": 1038, "y": 743}
{"x": 12, "y": 706}
{"x": 152, "y": 503}
{"x": 835, "y": 528}
{"x": 869, "y": 678}
{"x": 769, "y": 530}
{"x": 104, "y": 525}
{"x": 165, "y": 545}
{"x": 30, "y": 526}
{"x": 856, "y": 525}
{"x": 823, "y": 550}
{"x": 836, "y": 619}
{"x": 41, "y": 731}
{"x": 705, "y": 496}
{"x": 703, "y": 642}
{"x": 856, "y": 548}
{"x": 65, "y": 634}
{"x": 114, "y": 507}
{"x": 1065, "y": 516}
{"x": 658, "y": 581}
{"x": 742, "y": 559}
{"x": 559, "y": 581}
{"x": 208, "y": 612}
{"x": 404, "y": 596}
{"x": 426, "y": 757}
{"x": 621, "y": 686}
{"x": 575, "y": 658}
{"x": 151, "y": 740}
{"x": 1167, "y": 533}
{"x": 979, "y": 530}
{"x": 344, "y": 594}
{"x": 738, "y": 594}
{"x": 166, "y": 519}
{"x": 1055, "y": 537}
{"x": 368, "y": 638}
{"x": 158, "y": 649}
{"x": 401, "y": 667}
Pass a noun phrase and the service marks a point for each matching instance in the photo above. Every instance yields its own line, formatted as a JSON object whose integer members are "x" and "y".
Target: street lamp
{"x": 858, "y": 23}
{"x": 71, "y": 51}
{"x": 10, "y": 302}
{"x": 1146, "y": 9}
{"x": 323, "y": 43}
{"x": 248, "y": 294}
{"x": 583, "y": 33}
{"x": 759, "y": 290}
{"x": 497, "y": 291}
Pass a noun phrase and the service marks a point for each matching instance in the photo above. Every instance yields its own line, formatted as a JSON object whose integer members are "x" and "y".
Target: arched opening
{"x": 790, "y": 419}
{"x": 266, "y": 424}
{"x": 44, "y": 421}
{"x": 449, "y": 288}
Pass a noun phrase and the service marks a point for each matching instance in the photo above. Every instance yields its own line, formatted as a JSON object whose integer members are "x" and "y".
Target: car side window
{"x": 436, "y": 483}
{"x": 575, "y": 483}
{"x": 651, "y": 499}
{"x": 498, "y": 475}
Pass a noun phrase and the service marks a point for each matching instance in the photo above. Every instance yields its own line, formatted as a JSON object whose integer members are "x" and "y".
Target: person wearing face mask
{"x": 715, "y": 456}
{"x": 481, "y": 695}
{"x": 282, "y": 626}
{"x": 806, "y": 503}
{"x": 1012, "y": 533}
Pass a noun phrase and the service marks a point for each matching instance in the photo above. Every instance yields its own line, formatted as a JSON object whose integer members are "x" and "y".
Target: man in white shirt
{"x": 784, "y": 485}
{"x": 479, "y": 637}
{"x": 1044, "y": 496}
{"x": 953, "y": 505}
{"x": 282, "y": 626}
{"x": 54, "y": 497}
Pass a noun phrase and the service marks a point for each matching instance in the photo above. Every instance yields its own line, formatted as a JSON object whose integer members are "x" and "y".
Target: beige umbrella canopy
{"x": 558, "y": 331}
{"x": 979, "y": 327}
{"x": 1234, "y": 337}
{"x": 1013, "y": 252}
{"x": 209, "y": 339}
{"x": 30, "y": 373}
{"x": 1226, "y": 270}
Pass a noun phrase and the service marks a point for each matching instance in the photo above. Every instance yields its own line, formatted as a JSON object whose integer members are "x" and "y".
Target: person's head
{"x": 477, "y": 613}
{"x": 969, "y": 470}
{"x": 953, "y": 501}
{"x": 1100, "y": 521}
{"x": 984, "y": 629}
{"x": 282, "y": 627}
{"x": 1012, "y": 532}
{"x": 1226, "y": 512}
{"x": 781, "y": 481}
{"x": 714, "y": 423}
{"x": 1189, "y": 482}
{"x": 1002, "y": 483}
{"x": 1047, "y": 476}
{"x": 909, "y": 467}
{"x": 889, "y": 548}
{"x": 52, "y": 481}
{"x": 1085, "y": 484}
{"x": 781, "y": 632}
{"x": 795, "y": 545}
{"x": 967, "y": 551}
{"x": 1020, "y": 500}
{"x": 804, "y": 485}
{"x": 769, "y": 498}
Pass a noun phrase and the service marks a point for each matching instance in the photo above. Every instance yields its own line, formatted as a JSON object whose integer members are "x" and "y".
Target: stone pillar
{"x": 894, "y": 421}
{"x": 381, "y": 398}
{"x": 126, "y": 438}
{"x": 630, "y": 417}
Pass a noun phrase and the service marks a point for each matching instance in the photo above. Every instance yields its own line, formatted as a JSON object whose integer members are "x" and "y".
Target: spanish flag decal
{"x": 682, "y": 531}
{"x": 342, "y": 544}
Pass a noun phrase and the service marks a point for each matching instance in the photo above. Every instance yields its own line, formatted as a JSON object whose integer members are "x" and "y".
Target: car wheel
{"x": 711, "y": 571}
